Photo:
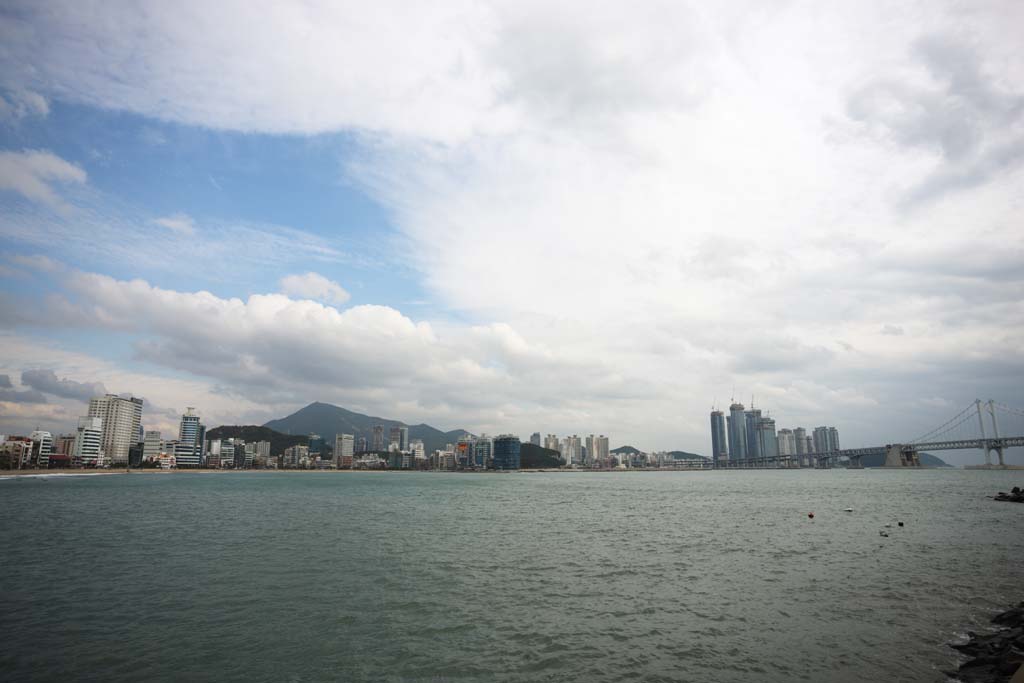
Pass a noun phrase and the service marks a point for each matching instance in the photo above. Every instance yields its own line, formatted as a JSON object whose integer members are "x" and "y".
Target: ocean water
{"x": 703, "y": 576}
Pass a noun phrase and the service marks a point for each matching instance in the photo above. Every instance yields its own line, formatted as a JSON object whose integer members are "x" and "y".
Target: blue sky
{"x": 146, "y": 169}
{"x": 513, "y": 217}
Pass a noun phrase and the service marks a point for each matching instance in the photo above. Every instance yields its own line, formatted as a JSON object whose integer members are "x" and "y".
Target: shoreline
{"x": 36, "y": 473}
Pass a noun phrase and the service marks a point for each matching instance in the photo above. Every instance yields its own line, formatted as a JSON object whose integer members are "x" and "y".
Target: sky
{"x": 514, "y": 216}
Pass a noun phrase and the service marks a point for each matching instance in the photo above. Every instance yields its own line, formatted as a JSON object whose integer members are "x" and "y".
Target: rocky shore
{"x": 995, "y": 657}
{"x": 1014, "y": 496}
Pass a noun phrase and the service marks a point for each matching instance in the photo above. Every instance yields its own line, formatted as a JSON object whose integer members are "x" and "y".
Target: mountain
{"x": 534, "y": 457}
{"x": 278, "y": 441}
{"x": 927, "y": 460}
{"x": 676, "y": 455}
{"x": 684, "y": 455}
{"x": 328, "y": 420}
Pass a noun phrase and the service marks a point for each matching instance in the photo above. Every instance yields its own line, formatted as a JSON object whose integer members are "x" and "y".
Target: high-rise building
{"x": 344, "y": 450}
{"x": 800, "y": 439}
{"x": 42, "y": 446}
{"x": 551, "y": 443}
{"x": 572, "y": 450}
{"x": 825, "y": 439}
{"x": 152, "y": 444}
{"x": 64, "y": 445}
{"x": 506, "y": 452}
{"x": 263, "y": 450}
{"x": 316, "y": 444}
{"x": 362, "y": 445}
{"x": 719, "y": 446}
{"x": 535, "y": 438}
{"x": 787, "y": 442}
{"x": 89, "y": 442}
{"x": 737, "y": 430}
{"x": 483, "y": 451}
{"x": 121, "y": 419}
{"x": 188, "y": 452}
{"x": 403, "y": 438}
{"x": 464, "y": 449}
{"x": 135, "y": 454}
{"x": 296, "y": 456}
{"x": 588, "y": 453}
{"x": 768, "y": 444}
{"x": 378, "y": 438}
{"x": 601, "y": 449}
{"x": 752, "y": 419}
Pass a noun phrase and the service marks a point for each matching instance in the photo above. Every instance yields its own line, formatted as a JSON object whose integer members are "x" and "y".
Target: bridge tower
{"x": 997, "y": 445}
{"x": 984, "y": 441}
{"x": 898, "y": 455}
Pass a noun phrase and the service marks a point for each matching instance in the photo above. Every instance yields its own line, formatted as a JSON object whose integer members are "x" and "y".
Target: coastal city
{"x": 111, "y": 435}
{"x": 748, "y": 435}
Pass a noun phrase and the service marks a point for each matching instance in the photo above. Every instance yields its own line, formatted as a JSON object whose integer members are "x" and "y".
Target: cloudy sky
{"x": 514, "y": 216}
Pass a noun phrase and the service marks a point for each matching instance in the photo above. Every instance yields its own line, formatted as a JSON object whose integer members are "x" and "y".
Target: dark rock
{"x": 1011, "y": 617}
{"x": 997, "y": 656}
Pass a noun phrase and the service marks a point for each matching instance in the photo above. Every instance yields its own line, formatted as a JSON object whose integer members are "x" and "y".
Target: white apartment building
{"x": 152, "y": 445}
{"x": 88, "y": 449}
{"x": 121, "y": 419}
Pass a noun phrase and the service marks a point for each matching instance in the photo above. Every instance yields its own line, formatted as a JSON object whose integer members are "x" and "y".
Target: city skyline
{"x": 818, "y": 206}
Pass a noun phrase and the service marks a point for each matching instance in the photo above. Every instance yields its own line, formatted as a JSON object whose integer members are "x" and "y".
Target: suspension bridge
{"x": 966, "y": 430}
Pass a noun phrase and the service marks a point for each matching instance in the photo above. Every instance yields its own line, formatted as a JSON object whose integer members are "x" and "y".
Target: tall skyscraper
{"x": 768, "y": 444}
{"x": 800, "y": 437}
{"x": 737, "y": 430}
{"x": 752, "y": 420}
{"x": 601, "y": 452}
{"x": 378, "y": 439}
{"x": 551, "y": 442}
{"x": 188, "y": 452}
{"x": 787, "y": 443}
{"x": 572, "y": 450}
{"x": 506, "y": 452}
{"x": 535, "y": 438}
{"x": 833, "y": 437}
{"x": 121, "y": 419}
{"x": 589, "y": 456}
{"x": 826, "y": 439}
{"x": 719, "y": 447}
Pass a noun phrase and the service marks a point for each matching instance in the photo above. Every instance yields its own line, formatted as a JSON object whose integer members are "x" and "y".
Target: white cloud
{"x": 19, "y": 104}
{"x": 658, "y": 201}
{"x": 178, "y": 223}
{"x": 33, "y": 173}
{"x": 314, "y": 286}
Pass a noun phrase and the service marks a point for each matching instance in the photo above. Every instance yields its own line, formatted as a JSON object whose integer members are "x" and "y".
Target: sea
{"x": 551, "y": 576}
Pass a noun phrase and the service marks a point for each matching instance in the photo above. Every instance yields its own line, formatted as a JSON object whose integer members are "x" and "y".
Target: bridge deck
{"x": 855, "y": 454}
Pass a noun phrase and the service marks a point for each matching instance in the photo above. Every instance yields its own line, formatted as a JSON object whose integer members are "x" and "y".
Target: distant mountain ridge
{"x": 676, "y": 455}
{"x": 278, "y": 441}
{"x": 329, "y": 420}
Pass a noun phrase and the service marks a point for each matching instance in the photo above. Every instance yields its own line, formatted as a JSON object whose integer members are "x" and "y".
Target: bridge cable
{"x": 946, "y": 424}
